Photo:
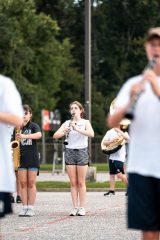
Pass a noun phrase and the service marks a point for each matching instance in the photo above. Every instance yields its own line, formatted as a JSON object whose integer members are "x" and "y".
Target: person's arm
{"x": 36, "y": 135}
{"x": 116, "y": 118}
{"x": 126, "y": 136}
{"x": 11, "y": 119}
{"x": 108, "y": 142}
{"x": 13, "y": 110}
{"x": 88, "y": 130}
{"x": 107, "y": 139}
{"x": 123, "y": 134}
{"x": 124, "y": 101}
{"x": 62, "y": 131}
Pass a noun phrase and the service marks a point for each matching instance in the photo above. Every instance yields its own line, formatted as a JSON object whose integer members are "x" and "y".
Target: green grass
{"x": 101, "y": 167}
{"x": 54, "y": 184}
{"x": 48, "y": 167}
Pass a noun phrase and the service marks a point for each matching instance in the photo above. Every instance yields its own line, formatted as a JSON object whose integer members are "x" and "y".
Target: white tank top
{"x": 77, "y": 140}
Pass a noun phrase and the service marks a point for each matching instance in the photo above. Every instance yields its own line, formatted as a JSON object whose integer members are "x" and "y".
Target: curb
{"x": 88, "y": 190}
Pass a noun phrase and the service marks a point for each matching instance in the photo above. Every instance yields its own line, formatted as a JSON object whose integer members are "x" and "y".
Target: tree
{"x": 118, "y": 29}
{"x": 118, "y": 35}
{"x": 70, "y": 17}
{"x": 32, "y": 54}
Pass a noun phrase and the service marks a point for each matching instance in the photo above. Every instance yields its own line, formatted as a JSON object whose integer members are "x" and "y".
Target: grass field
{"x": 65, "y": 185}
{"x": 101, "y": 167}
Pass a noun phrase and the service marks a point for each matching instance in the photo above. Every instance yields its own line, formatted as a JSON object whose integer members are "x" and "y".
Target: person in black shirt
{"x": 29, "y": 162}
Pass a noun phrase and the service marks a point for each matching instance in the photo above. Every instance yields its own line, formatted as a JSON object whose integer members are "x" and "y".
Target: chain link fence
{"x": 54, "y": 150}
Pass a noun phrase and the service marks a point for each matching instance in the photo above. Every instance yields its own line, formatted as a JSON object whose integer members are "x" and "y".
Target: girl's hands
{"x": 20, "y": 136}
{"x": 66, "y": 130}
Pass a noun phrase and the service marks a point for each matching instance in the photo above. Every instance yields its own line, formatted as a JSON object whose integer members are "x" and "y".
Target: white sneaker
{"x": 81, "y": 212}
{"x": 30, "y": 212}
{"x": 23, "y": 212}
{"x": 73, "y": 212}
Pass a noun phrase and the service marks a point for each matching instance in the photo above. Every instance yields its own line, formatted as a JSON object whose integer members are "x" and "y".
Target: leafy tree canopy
{"x": 32, "y": 54}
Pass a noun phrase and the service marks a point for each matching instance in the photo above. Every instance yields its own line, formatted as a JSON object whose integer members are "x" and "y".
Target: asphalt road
{"x": 105, "y": 219}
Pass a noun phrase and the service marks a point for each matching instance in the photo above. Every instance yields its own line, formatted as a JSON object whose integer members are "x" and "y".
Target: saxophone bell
{"x": 14, "y": 144}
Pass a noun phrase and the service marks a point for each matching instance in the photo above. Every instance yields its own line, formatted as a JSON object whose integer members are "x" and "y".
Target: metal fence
{"x": 54, "y": 150}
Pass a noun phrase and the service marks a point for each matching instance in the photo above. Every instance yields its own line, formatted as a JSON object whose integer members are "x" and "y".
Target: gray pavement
{"x": 105, "y": 219}
{"x": 48, "y": 176}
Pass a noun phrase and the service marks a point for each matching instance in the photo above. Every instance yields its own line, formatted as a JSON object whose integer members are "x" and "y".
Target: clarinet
{"x": 130, "y": 113}
{"x": 67, "y": 135}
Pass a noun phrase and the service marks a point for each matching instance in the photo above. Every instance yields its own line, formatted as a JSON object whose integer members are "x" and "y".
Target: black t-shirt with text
{"x": 29, "y": 156}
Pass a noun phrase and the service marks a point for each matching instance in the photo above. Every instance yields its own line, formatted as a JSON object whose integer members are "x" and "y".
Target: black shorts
{"x": 116, "y": 167}
{"x": 143, "y": 203}
{"x": 5, "y": 204}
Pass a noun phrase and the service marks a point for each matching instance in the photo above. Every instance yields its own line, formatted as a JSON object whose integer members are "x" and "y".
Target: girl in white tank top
{"x": 77, "y": 132}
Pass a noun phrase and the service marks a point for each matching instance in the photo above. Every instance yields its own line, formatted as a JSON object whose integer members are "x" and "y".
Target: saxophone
{"x": 15, "y": 145}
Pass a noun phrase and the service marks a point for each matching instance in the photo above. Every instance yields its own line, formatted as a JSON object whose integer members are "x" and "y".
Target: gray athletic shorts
{"x": 76, "y": 156}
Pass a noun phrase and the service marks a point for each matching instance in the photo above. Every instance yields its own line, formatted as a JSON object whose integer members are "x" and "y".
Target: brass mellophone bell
{"x": 66, "y": 136}
{"x": 116, "y": 145}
